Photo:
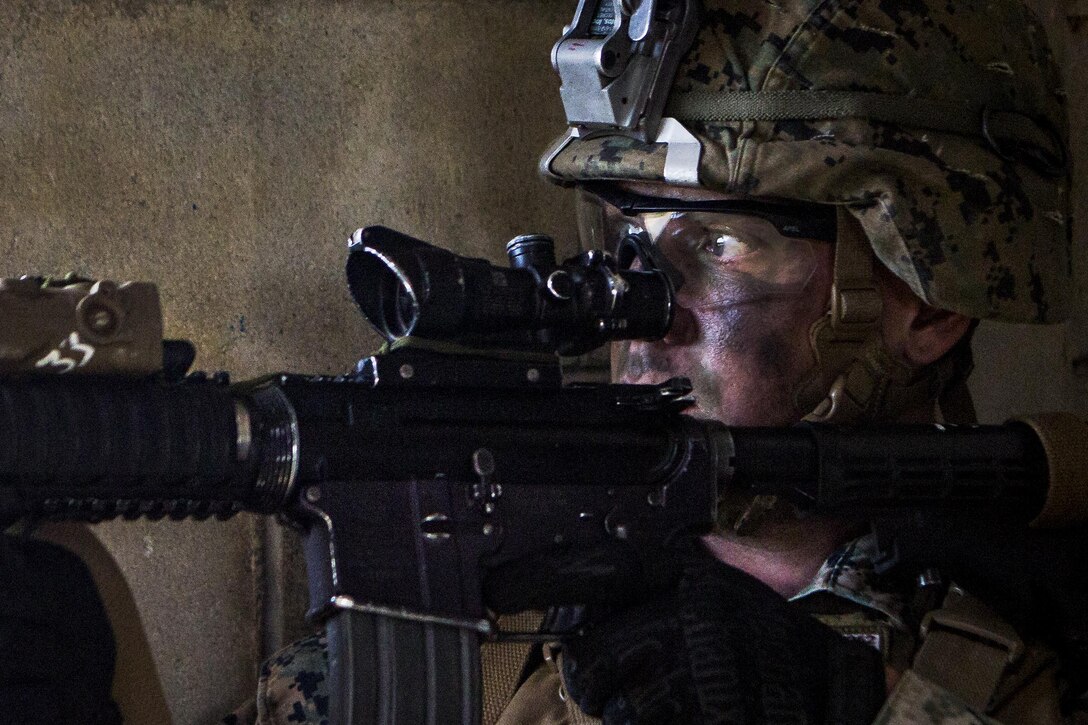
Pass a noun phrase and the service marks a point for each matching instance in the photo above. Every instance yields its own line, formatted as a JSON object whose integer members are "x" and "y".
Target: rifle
{"x": 435, "y": 465}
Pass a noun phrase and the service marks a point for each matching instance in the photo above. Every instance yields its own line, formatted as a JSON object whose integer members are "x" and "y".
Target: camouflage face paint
{"x": 747, "y": 303}
{"x": 720, "y": 252}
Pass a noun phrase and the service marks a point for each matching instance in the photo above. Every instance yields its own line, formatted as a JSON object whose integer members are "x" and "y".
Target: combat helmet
{"x": 939, "y": 127}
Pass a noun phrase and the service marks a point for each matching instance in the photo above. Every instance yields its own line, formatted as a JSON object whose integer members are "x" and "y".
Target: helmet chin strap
{"x": 855, "y": 377}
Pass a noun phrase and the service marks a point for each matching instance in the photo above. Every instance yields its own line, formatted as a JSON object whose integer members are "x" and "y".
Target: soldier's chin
{"x": 737, "y": 506}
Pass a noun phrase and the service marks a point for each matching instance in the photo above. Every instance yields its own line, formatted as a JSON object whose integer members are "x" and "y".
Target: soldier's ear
{"x": 932, "y": 333}
{"x": 915, "y": 331}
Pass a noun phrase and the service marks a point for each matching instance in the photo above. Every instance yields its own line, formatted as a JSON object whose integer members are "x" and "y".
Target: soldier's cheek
{"x": 641, "y": 362}
{"x": 751, "y": 358}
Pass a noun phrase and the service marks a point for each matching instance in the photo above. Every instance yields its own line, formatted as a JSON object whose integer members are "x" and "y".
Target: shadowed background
{"x": 227, "y": 150}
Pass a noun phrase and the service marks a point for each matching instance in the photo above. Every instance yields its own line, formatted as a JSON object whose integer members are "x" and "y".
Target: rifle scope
{"x": 405, "y": 286}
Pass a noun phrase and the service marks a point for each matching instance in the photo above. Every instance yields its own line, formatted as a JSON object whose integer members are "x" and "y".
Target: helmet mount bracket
{"x": 617, "y": 61}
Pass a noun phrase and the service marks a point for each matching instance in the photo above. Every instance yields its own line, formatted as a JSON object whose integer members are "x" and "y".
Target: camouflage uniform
{"x": 292, "y": 687}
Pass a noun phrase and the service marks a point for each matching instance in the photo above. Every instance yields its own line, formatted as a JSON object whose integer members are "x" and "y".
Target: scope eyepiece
{"x": 384, "y": 291}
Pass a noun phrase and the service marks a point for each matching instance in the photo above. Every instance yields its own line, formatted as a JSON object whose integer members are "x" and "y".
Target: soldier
{"x": 840, "y": 190}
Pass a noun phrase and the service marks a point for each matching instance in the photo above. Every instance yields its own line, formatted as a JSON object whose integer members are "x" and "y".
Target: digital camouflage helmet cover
{"x": 939, "y": 126}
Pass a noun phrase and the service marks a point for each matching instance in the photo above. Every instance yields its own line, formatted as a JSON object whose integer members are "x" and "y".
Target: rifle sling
{"x": 966, "y": 649}
{"x": 503, "y": 663}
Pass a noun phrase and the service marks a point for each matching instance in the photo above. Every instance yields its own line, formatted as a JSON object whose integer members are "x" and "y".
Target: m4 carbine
{"x": 434, "y": 466}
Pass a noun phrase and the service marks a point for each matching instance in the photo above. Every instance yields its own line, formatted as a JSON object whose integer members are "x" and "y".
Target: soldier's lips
{"x": 656, "y": 379}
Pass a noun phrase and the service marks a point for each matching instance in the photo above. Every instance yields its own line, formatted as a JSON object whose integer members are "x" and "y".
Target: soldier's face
{"x": 747, "y": 303}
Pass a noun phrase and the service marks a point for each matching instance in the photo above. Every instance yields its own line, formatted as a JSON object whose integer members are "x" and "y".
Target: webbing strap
{"x": 966, "y": 649}
{"x": 542, "y": 699}
{"x": 970, "y": 117}
{"x": 840, "y": 338}
{"x": 788, "y": 105}
{"x": 855, "y": 376}
{"x": 502, "y": 664}
{"x": 917, "y": 700}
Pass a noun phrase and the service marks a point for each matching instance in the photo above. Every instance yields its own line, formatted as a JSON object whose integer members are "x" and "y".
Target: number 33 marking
{"x": 56, "y": 361}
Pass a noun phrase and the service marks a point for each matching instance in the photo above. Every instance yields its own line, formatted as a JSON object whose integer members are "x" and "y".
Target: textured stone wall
{"x": 227, "y": 149}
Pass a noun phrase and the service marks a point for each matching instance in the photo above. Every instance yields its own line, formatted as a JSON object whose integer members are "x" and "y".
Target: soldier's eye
{"x": 726, "y": 246}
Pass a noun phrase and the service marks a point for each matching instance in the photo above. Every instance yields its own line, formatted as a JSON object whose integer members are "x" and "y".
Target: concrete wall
{"x": 226, "y": 150}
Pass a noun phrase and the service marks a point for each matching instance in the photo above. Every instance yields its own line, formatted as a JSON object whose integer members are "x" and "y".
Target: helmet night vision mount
{"x": 617, "y": 61}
